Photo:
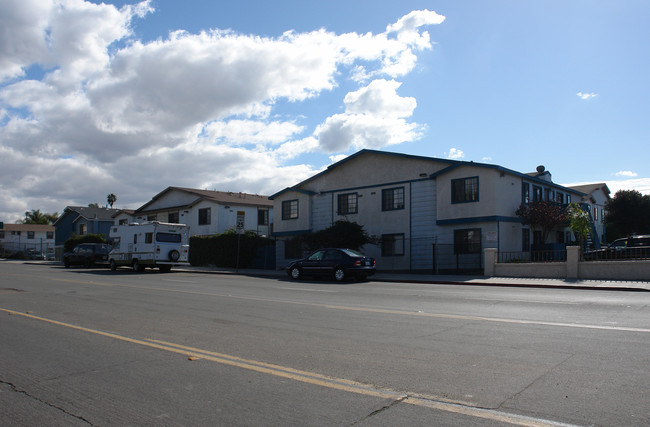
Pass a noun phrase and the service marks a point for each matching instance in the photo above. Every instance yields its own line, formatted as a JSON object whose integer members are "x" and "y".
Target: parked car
{"x": 87, "y": 254}
{"x": 626, "y": 248}
{"x": 335, "y": 262}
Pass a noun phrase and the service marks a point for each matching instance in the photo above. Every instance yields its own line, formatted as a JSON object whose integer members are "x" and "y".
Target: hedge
{"x": 221, "y": 250}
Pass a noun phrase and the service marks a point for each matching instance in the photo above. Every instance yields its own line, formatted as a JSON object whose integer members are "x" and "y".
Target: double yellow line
{"x": 192, "y": 353}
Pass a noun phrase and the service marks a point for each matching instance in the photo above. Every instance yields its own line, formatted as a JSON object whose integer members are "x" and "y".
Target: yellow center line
{"x": 432, "y": 402}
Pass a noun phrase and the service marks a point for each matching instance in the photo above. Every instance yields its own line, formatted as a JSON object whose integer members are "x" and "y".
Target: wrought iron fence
{"x": 558, "y": 255}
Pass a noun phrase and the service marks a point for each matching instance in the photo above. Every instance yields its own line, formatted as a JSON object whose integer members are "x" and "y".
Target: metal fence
{"x": 532, "y": 256}
{"x": 27, "y": 250}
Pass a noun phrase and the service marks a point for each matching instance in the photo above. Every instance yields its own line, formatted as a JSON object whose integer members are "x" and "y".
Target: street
{"x": 94, "y": 347}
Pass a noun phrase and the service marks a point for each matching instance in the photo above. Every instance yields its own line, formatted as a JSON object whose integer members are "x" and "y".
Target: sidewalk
{"x": 453, "y": 279}
{"x": 530, "y": 282}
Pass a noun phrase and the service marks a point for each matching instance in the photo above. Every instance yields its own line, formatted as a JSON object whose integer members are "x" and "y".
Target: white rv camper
{"x": 152, "y": 244}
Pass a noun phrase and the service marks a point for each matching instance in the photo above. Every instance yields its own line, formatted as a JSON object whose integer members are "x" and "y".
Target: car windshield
{"x": 352, "y": 252}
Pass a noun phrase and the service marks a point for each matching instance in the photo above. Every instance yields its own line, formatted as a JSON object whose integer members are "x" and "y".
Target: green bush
{"x": 75, "y": 240}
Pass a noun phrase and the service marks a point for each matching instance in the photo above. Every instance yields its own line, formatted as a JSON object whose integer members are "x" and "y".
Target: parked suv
{"x": 87, "y": 254}
{"x": 627, "y": 248}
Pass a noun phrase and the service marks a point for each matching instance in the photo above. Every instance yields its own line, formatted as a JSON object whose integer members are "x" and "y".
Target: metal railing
{"x": 532, "y": 256}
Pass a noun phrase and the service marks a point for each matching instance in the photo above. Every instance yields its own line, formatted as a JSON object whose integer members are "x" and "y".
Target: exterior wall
{"x": 15, "y": 238}
{"x": 64, "y": 227}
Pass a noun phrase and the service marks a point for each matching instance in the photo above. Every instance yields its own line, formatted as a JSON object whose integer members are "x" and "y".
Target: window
{"x": 123, "y": 221}
{"x": 135, "y": 239}
{"x": 595, "y": 214}
{"x": 392, "y": 244}
{"x": 537, "y": 193}
{"x": 392, "y": 199}
{"x": 568, "y": 198}
{"x": 148, "y": 237}
{"x": 82, "y": 229}
{"x": 30, "y": 234}
{"x": 347, "y": 203}
{"x": 49, "y": 235}
{"x": 173, "y": 217}
{"x": 525, "y": 193}
{"x": 263, "y": 217}
{"x": 464, "y": 190}
{"x": 549, "y": 195}
{"x": 168, "y": 237}
{"x": 152, "y": 217}
{"x": 467, "y": 241}
{"x": 559, "y": 197}
{"x": 290, "y": 209}
{"x": 525, "y": 240}
{"x": 204, "y": 216}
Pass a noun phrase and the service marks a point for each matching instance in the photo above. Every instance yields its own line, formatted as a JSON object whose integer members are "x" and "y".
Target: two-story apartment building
{"x": 416, "y": 206}
{"x": 208, "y": 212}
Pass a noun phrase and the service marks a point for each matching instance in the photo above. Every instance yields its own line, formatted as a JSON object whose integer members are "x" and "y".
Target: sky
{"x": 255, "y": 96}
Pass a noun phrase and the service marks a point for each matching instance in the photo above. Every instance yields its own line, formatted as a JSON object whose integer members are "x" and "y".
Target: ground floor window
{"x": 392, "y": 245}
{"x": 467, "y": 241}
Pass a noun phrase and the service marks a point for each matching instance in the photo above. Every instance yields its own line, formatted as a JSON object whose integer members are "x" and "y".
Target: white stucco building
{"x": 207, "y": 212}
{"x": 422, "y": 210}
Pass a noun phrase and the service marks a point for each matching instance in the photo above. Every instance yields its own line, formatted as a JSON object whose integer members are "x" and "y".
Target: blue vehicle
{"x": 333, "y": 262}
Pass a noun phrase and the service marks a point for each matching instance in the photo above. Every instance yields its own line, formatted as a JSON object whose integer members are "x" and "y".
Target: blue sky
{"x": 130, "y": 98}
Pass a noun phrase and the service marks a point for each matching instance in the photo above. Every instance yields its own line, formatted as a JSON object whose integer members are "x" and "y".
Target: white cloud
{"x": 455, "y": 154}
{"x": 374, "y": 117}
{"x": 628, "y": 174}
{"x": 585, "y": 96}
{"x": 198, "y": 110}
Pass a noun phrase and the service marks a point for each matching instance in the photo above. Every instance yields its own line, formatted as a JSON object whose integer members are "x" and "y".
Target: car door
{"x": 312, "y": 264}
{"x": 331, "y": 260}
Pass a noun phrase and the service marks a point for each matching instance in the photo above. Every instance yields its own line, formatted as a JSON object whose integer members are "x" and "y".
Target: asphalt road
{"x": 94, "y": 347}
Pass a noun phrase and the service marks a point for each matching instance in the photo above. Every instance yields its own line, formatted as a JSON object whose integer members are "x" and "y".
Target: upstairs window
{"x": 537, "y": 193}
{"x": 559, "y": 197}
{"x": 347, "y": 204}
{"x": 290, "y": 209}
{"x": 464, "y": 190}
{"x": 525, "y": 193}
{"x": 30, "y": 234}
{"x": 392, "y": 199}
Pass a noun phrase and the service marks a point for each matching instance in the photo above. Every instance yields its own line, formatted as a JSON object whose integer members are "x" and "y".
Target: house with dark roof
{"x": 82, "y": 220}
{"x": 427, "y": 214}
{"x": 209, "y": 212}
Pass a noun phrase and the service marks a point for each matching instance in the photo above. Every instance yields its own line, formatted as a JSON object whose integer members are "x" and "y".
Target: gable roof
{"x": 590, "y": 188}
{"x": 88, "y": 213}
{"x": 28, "y": 227}
{"x": 453, "y": 164}
{"x": 220, "y": 197}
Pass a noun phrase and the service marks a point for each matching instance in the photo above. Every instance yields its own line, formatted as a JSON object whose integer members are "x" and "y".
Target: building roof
{"x": 220, "y": 197}
{"x": 89, "y": 213}
{"x": 590, "y": 188}
{"x": 28, "y": 227}
{"x": 543, "y": 177}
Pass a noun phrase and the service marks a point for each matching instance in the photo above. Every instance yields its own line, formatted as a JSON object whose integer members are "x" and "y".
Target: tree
{"x": 111, "y": 198}
{"x": 343, "y": 234}
{"x": 93, "y": 205}
{"x": 628, "y": 212}
{"x": 35, "y": 216}
{"x": 542, "y": 215}
{"x": 580, "y": 222}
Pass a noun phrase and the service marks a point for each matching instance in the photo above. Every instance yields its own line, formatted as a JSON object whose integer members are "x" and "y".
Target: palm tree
{"x": 35, "y": 216}
{"x": 111, "y": 198}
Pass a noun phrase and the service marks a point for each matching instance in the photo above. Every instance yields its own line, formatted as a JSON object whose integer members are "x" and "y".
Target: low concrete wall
{"x": 572, "y": 269}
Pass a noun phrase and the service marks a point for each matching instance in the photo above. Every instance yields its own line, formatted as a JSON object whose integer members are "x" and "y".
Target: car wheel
{"x": 66, "y": 263}
{"x": 174, "y": 255}
{"x": 136, "y": 266}
{"x": 339, "y": 274}
{"x": 113, "y": 265}
{"x": 295, "y": 273}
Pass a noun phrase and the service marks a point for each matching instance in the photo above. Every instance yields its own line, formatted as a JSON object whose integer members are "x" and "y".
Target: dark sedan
{"x": 334, "y": 262}
{"x": 87, "y": 254}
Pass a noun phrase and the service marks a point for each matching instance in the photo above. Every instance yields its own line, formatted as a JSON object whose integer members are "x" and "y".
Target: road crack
{"x": 15, "y": 389}
{"x": 382, "y": 409}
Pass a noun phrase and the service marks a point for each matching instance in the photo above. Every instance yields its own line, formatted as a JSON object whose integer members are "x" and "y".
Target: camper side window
{"x": 148, "y": 237}
{"x": 116, "y": 243}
